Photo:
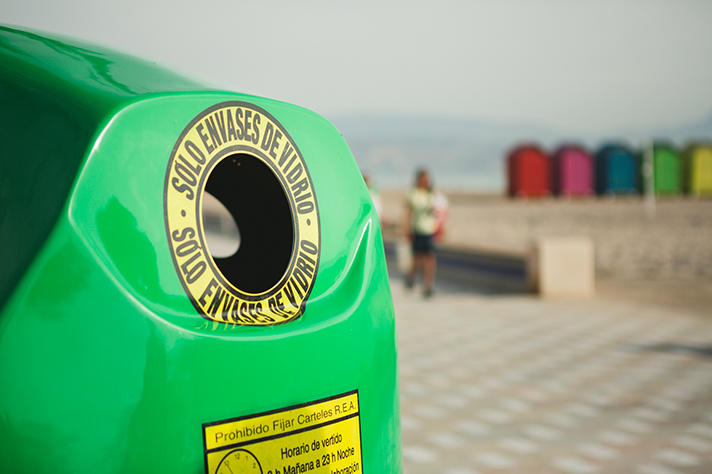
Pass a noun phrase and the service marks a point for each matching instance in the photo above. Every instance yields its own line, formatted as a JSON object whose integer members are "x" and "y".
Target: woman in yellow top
{"x": 421, "y": 224}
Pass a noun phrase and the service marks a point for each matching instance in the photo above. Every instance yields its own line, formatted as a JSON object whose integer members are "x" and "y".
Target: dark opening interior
{"x": 253, "y": 195}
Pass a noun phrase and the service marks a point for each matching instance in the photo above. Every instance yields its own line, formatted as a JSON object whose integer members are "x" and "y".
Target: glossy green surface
{"x": 54, "y": 97}
{"x": 105, "y": 366}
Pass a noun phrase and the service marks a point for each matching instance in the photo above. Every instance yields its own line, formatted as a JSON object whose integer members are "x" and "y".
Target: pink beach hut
{"x": 572, "y": 171}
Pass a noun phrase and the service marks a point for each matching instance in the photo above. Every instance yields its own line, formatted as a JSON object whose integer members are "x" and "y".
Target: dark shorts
{"x": 423, "y": 244}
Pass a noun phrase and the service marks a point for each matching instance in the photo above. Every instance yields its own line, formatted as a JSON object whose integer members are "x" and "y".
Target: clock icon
{"x": 239, "y": 461}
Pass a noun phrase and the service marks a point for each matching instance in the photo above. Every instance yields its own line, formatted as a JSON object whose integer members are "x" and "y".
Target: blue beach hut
{"x": 617, "y": 170}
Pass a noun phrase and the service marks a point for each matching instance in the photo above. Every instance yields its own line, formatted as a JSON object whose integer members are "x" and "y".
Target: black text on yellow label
{"x": 215, "y": 134}
{"x": 323, "y": 437}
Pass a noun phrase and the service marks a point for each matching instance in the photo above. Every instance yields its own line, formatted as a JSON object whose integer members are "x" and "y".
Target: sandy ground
{"x": 664, "y": 258}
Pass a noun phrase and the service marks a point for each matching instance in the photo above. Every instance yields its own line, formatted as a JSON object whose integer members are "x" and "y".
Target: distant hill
{"x": 697, "y": 131}
{"x": 466, "y": 154}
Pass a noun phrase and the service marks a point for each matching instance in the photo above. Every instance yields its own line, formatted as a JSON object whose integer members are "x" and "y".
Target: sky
{"x": 577, "y": 65}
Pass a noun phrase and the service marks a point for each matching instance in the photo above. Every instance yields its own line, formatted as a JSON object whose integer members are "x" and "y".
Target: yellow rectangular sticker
{"x": 321, "y": 437}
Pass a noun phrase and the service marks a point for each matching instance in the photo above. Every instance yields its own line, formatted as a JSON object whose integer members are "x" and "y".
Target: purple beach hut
{"x": 572, "y": 169}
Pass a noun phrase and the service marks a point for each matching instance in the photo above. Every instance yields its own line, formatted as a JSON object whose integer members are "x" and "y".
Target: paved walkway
{"x": 513, "y": 384}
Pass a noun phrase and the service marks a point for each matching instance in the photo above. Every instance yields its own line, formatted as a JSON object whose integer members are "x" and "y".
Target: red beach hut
{"x": 528, "y": 172}
{"x": 572, "y": 168}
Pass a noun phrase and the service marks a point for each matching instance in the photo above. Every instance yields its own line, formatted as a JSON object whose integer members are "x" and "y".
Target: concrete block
{"x": 563, "y": 267}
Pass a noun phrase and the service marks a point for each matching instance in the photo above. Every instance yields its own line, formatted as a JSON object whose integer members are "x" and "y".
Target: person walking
{"x": 420, "y": 225}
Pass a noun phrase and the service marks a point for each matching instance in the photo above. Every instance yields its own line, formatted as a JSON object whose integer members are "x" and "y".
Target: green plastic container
{"x": 125, "y": 346}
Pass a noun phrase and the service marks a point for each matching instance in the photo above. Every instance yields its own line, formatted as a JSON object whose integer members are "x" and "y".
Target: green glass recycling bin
{"x": 126, "y": 344}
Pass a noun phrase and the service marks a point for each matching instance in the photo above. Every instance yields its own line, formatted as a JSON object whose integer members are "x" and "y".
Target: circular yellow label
{"x": 232, "y": 134}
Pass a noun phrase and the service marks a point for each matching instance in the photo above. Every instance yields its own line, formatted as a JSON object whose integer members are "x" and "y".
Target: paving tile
{"x": 515, "y": 405}
{"x": 656, "y": 469}
{"x": 634, "y": 425}
{"x": 575, "y": 465}
{"x": 651, "y": 414}
{"x": 452, "y": 401}
{"x": 561, "y": 420}
{"x": 419, "y": 454}
{"x": 520, "y": 385}
{"x": 582, "y": 409}
{"x": 519, "y": 445}
{"x": 701, "y": 429}
{"x": 617, "y": 438}
{"x": 495, "y": 460}
{"x": 473, "y": 428}
{"x": 473, "y": 391}
{"x": 535, "y": 396}
{"x": 598, "y": 451}
{"x": 495, "y": 416}
{"x": 446, "y": 440}
{"x": 414, "y": 388}
{"x": 431, "y": 412}
{"x": 664, "y": 403}
{"x": 410, "y": 423}
{"x": 461, "y": 470}
{"x": 677, "y": 457}
{"x": 679, "y": 392}
{"x": 693, "y": 443}
{"x": 598, "y": 399}
{"x": 541, "y": 432}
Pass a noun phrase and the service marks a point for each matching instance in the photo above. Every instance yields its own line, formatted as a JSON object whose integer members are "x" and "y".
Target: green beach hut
{"x": 667, "y": 169}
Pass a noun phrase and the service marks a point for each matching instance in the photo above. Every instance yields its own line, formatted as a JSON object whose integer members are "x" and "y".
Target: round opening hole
{"x": 252, "y": 252}
{"x": 221, "y": 233}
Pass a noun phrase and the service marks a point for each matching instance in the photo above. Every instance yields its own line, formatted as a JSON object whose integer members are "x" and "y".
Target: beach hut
{"x": 697, "y": 169}
{"x": 667, "y": 169}
{"x": 572, "y": 168}
{"x": 528, "y": 172}
{"x": 617, "y": 170}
